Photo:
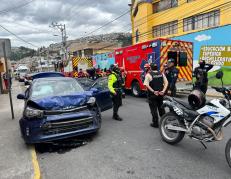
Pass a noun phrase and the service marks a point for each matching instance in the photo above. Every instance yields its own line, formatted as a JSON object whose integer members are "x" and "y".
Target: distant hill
{"x": 124, "y": 39}
{"x": 18, "y": 53}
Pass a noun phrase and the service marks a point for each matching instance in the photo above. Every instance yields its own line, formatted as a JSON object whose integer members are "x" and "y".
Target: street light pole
{"x": 62, "y": 28}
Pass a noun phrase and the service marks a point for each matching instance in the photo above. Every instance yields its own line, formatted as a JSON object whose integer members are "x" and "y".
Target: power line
{"x": 213, "y": 8}
{"x": 227, "y": 6}
{"x": 18, "y": 36}
{"x": 126, "y": 12}
{"x": 181, "y": 23}
{"x": 16, "y": 7}
{"x": 167, "y": 12}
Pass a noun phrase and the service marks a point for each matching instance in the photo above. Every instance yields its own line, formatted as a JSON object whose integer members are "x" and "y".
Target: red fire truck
{"x": 133, "y": 59}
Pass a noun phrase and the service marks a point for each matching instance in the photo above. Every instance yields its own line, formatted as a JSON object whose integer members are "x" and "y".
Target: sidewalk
{"x": 210, "y": 93}
{"x": 213, "y": 93}
{"x": 15, "y": 156}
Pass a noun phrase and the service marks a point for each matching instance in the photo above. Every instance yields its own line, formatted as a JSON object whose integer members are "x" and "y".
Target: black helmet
{"x": 153, "y": 66}
{"x": 196, "y": 99}
{"x": 202, "y": 64}
{"x": 115, "y": 68}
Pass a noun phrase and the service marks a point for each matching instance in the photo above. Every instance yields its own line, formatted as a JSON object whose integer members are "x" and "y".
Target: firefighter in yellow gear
{"x": 115, "y": 87}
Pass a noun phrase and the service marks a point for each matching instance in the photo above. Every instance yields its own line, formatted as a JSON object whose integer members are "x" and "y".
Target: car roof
{"x": 54, "y": 79}
{"x": 47, "y": 75}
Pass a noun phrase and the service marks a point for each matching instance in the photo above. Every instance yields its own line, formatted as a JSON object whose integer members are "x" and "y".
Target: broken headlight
{"x": 91, "y": 101}
{"x": 33, "y": 113}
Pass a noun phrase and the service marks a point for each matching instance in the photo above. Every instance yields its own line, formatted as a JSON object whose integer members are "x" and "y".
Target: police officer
{"x": 201, "y": 74}
{"x": 156, "y": 84}
{"x": 171, "y": 73}
{"x": 115, "y": 86}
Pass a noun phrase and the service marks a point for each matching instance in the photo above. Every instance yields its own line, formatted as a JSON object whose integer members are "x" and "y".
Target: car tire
{"x": 228, "y": 152}
{"x": 99, "y": 116}
{"x": 136, "y": 91}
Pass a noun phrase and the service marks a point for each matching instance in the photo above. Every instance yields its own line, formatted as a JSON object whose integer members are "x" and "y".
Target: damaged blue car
{"x": 58, "y": 108}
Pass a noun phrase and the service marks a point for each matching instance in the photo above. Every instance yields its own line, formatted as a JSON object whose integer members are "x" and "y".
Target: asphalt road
{"x": 132, "y": 149}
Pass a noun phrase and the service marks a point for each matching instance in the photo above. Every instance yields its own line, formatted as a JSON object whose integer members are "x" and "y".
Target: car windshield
{"x": 46, "y": 88}
{"x": 85, "y": 82}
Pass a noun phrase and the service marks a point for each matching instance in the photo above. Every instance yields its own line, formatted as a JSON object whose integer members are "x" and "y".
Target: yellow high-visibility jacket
{"x": 111, "y": 80}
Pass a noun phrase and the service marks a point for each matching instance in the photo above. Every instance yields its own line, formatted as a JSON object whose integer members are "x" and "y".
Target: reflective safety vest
{"x": 157, "y": 83}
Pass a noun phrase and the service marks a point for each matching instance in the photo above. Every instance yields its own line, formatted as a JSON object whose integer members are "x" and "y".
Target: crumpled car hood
{"x": 61, "y": 102}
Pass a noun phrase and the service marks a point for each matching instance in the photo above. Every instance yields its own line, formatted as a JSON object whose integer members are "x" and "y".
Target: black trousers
{"x": 155, "y": 104}
{"x": 117, "y": 102}
{"x": 172, "y": 89}
{"x": 202, "y": 87}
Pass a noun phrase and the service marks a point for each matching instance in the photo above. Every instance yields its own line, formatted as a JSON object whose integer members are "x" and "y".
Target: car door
{"x": 102, "y": 96}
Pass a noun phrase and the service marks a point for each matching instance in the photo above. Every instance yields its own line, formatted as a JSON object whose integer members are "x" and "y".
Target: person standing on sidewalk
{"x": 5, "y": 78}
{"x": 115, "y": 87}
{"x": 201, "y": 74}
{"x": 156, "y": 84}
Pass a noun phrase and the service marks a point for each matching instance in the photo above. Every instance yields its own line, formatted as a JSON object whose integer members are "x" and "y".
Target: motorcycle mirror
{"x": 219, "y": 75}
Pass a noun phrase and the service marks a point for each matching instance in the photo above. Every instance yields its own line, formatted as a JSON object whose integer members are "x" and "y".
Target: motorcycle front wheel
{"x": 170, "y": 136}
{"x": 228, "y": 152}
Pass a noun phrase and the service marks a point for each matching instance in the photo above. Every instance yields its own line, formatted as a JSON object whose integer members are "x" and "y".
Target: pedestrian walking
{"x": 201, "y": 74}
{"x": 115, "y": 87}
{"x": 171, "y": 73}
{"x": 5, "y": 78}
{"x": 156, "y": 84}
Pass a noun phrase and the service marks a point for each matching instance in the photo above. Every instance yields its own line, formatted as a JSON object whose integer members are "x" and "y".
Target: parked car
{"x": 58, "y": 108}
{"x": 31, "y": 76}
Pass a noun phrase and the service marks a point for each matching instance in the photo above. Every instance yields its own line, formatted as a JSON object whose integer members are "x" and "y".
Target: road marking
{"x": 37, "y": 174}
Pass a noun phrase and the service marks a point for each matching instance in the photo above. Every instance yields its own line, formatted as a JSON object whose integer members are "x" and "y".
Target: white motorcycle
{"x": 204, "y": 124}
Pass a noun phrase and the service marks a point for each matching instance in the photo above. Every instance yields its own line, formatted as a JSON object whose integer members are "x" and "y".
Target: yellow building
{"x": 152, "y": 19}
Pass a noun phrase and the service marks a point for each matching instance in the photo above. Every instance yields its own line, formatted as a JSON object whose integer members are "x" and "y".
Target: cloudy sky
{"x": 31, "y": 22}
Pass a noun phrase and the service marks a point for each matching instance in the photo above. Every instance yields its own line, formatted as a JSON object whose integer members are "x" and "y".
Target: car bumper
{"x": 56, "y": 127}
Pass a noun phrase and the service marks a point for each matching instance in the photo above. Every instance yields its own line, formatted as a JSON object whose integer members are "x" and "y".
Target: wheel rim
{"x": 230, "y": 153}
{"x": 169, "y": 134}
{"x": 135, "y": 90}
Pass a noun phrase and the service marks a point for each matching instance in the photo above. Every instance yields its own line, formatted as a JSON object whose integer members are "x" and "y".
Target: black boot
{"x": 154, "y": 124}
{"x": 116, "y": 117}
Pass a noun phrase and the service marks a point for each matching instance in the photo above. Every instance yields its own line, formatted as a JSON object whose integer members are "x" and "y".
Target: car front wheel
{"x": 136, "y": 91}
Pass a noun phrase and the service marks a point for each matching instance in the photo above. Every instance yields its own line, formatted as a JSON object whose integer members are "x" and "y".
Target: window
{"x": 173, "y": 55}
{"x": 183, "y": 60}
{"x": 164, "y": 5}
{"x": 102, "y": 84}
{"x": 165, "y": 29}
{"x": 200, "y": 21}
{"x": 137, "y": 35}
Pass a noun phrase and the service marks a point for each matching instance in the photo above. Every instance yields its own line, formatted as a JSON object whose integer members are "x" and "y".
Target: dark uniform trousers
{"x": 117, "y": 102}
{"x": 155, "y": 104}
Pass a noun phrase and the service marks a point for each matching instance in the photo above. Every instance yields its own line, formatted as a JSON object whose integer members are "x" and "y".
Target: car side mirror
{"x": 21, "y": 96}
{"x": 219, "y": 75}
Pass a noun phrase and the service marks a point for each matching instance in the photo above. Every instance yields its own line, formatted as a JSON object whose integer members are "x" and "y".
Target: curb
{"x": 37, "y": 173}
{"x": 207, "y": 95}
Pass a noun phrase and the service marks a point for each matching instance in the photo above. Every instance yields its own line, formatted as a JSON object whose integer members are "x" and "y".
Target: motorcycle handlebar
{"x": 222, "y": 90}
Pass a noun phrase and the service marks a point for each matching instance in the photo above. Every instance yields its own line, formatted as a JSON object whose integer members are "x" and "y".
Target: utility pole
{"x": 9, "y": 80}
{"x": 62, "y": 29}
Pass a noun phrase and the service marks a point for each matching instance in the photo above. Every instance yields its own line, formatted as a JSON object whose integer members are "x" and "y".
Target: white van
{"x": 21, "y": 73}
